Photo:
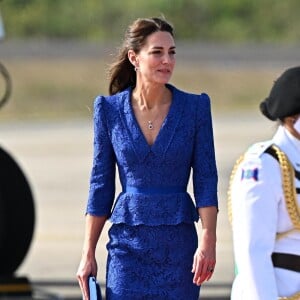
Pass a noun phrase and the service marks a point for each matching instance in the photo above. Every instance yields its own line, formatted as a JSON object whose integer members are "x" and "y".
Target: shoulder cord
{"x": 229, "y": 200}
{"x": 294, "y": 297}
{"x": 288, "y": 185}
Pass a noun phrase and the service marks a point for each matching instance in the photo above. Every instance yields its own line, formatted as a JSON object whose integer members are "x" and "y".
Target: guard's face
{"x": 156, "y": 60}
{"x": 297, "y": 125}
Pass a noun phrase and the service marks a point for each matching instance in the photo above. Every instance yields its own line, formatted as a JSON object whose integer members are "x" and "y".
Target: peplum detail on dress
{"x": 154, "y": 209}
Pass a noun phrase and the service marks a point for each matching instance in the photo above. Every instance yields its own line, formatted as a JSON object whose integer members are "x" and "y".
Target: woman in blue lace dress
{"x": 156, "y": 135}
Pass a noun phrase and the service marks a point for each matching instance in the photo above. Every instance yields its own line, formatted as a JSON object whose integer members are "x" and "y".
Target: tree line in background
{"x": 210, "y": 20}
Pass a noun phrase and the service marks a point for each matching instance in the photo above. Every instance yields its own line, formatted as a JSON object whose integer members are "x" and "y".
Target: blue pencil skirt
{"x": 151, "y": 262}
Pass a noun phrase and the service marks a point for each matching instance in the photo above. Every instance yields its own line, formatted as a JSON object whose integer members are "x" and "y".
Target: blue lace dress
{"x": 152, "y": 237}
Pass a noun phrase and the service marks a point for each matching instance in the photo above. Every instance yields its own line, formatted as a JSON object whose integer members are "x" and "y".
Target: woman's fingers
{"x": 199, "y": 267}
{"x": 83, "y": 283}
{"x": 203, "y": 268}
{"x": 210, "y": 270}
{"x": 86, "y": 269}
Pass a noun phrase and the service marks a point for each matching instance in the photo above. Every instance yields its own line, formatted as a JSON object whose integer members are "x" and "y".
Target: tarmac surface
{"x": 57, "y": 157}
{"x": 220, "y": 55}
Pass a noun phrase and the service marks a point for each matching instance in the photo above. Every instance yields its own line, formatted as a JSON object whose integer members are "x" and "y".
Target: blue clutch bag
{"x": 94, "y": 288}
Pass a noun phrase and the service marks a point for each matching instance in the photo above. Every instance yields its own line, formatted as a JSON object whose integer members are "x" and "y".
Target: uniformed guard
{"x": 264, "y": 203}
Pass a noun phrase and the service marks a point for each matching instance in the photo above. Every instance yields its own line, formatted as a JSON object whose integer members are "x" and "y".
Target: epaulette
{"x": 257, "y": 149}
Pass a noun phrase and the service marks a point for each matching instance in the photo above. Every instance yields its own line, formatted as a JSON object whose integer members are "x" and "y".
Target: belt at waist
{"x": 286, "y": 261}
{"x": 155, "y": 190}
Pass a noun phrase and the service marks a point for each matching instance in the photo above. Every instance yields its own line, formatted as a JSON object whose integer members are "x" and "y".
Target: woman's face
{"x": 156, "y": 60}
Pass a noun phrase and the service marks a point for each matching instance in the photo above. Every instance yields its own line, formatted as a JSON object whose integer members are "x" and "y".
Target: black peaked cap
{"x": 284, "y": 98}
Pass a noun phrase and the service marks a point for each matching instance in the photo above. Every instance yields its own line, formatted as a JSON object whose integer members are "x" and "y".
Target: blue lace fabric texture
{"x": 151, "y": 262}
{"x": 154, "y": 204}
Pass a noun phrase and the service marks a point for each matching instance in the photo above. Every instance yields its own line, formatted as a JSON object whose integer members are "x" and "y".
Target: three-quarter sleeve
{"x": 102, "y": 180}
{"x": 205, "y": 177}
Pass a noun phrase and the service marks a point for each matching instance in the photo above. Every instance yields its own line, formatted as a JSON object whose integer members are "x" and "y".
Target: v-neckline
{"x": 162, "y": 124}
{"x": 166, "y": 132}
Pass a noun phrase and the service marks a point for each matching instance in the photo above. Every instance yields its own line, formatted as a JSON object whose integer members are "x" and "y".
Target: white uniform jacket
{"x": 258, "y": 214}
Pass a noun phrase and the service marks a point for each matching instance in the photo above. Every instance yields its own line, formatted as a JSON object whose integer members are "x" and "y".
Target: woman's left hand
{"x": 204, "y": 259}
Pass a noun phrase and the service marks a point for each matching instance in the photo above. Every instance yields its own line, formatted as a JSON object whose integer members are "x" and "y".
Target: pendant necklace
{"x": 150, "y": 125}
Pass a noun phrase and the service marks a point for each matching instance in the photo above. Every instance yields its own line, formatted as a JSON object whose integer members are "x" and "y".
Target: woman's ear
{"x": 133, "y": 58}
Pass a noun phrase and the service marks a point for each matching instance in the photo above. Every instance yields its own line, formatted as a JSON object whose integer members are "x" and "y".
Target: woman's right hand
{"x": 87, "y": 267}
{"x": 88, "y": 264}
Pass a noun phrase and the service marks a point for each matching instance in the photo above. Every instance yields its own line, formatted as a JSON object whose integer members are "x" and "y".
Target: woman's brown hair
{"x": 121, "y": 72}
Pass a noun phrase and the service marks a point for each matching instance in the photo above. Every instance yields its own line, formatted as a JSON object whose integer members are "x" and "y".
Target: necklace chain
{"x": 150, "y": 123}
